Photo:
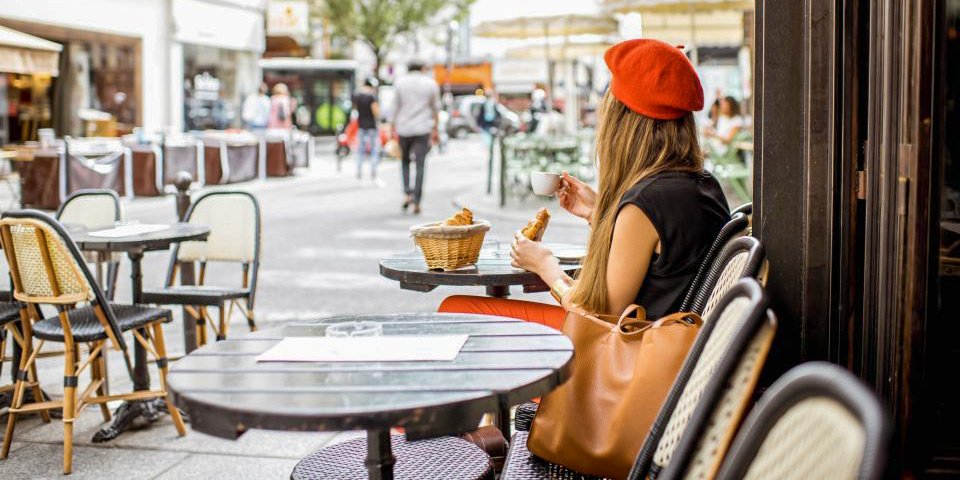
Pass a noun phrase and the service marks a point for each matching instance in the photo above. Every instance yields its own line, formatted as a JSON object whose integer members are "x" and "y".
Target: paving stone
{"x": 45, "y": 461}
{"x": 203, "y": 467}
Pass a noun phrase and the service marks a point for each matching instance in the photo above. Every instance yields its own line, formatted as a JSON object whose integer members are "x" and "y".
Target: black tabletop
{"x": 158, "y": 240}
{"x": 504, "y": 362}
{"x": 491, "y": 270}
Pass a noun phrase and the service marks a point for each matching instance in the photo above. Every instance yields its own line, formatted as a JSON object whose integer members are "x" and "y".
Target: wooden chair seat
{"x": 208, "y": 295}
{"x": 87, "y": 328}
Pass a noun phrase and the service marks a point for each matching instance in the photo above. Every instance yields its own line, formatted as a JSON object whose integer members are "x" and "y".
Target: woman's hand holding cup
{"x": 576, "y": 197}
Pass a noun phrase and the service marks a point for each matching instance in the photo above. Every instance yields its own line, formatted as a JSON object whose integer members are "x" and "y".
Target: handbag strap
{"x": 686, "y": 317}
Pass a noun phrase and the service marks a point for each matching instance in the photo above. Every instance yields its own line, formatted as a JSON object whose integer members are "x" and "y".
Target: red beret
{"x": 654, "y": 78}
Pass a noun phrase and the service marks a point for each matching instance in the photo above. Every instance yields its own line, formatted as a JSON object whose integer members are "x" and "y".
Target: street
{"x": 323, "y": 234}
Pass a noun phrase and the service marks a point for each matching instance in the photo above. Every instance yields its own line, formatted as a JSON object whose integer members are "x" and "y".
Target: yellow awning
{"x": 26, "y": 54}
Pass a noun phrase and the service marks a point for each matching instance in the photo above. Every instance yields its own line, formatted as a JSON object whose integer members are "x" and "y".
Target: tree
{"x": 378, "y": 23}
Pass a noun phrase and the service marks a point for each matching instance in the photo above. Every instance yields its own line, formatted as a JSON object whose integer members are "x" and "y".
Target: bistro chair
{"x": 732, "y": 229}
{"x": 710, "y": 393}
{"x": 746, "y": 209}
{"x": 816, "y": 421}
{"x": 740, "y": 258}
{"x": 95, "y": 208}
{"x": 47, "y": 268}
{"x": 234, "y": 221}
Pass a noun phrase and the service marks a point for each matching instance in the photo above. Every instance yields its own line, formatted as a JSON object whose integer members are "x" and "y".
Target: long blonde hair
{"x": 630, "y": 147}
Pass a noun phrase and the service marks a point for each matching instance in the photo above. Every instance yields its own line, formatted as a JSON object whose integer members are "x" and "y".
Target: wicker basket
{"x": 449, "y": 248}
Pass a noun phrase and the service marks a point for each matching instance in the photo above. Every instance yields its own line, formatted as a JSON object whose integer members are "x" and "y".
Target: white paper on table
{"x": 393, "y": 348}
{"x": 129, "y": 230}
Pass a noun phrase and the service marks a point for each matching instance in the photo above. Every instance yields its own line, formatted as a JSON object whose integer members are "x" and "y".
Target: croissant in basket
{"x": 462, "y": 218}
{"x": 535, "y": 229}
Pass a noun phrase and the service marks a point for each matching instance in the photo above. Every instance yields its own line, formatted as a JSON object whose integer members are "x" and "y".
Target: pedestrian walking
{"x": 256, "y": 109}
{"x": 368, "y": 136}
{"x": 416, "y": 108}
{"x": 489, "y": 119}
{"x": 281, "y": 108}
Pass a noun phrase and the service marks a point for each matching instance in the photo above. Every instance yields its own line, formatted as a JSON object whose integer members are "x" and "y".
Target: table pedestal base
{"x": 125, "y": 416}
{"x": 380, "y": 459}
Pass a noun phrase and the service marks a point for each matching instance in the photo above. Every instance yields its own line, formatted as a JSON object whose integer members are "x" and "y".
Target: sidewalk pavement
{"x": 324, "y": 233}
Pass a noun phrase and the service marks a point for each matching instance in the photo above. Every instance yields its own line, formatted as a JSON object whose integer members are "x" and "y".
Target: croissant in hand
{"x": 535, "y": 229}
{"x": 462, "y": 218}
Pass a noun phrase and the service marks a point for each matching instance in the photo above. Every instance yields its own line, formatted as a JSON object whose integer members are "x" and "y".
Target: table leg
{"x": 499, "y": 291}
{"x": 380, "y": 459}
{"x": 150, "y": 410}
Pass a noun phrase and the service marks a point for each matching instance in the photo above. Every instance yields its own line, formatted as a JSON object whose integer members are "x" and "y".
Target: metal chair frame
{"x": 225, "y": 306}
{"x": 735, "y": 227}
{"x": 94, "y": 393}
{"x": 808, "y": 381}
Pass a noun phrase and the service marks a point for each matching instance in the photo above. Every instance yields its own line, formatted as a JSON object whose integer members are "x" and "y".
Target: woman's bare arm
{"x": 635, "y": 240}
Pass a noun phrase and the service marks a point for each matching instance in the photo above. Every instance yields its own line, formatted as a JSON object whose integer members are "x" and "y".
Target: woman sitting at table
{"x": 655, "y": 212}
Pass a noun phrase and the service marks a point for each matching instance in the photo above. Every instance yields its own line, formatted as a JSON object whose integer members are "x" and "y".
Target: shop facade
{"x": 213, "y": 64}
{"x": 109, "y": 63}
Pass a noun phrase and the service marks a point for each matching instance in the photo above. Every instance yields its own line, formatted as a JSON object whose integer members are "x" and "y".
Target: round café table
{"x": 504, "y": 362}
{"x": 492, "y": 271}
{"x": 135, "y": 246}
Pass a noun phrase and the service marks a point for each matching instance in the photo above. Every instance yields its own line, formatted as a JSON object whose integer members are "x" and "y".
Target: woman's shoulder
{"x": 671, "y": 181}
{"x": 673, "y": 188}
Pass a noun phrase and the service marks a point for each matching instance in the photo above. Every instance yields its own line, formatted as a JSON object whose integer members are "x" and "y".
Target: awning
{"x": 26, "y": 54}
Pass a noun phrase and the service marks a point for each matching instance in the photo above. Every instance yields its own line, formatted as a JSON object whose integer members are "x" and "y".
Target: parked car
{"x": 463, "y": 117}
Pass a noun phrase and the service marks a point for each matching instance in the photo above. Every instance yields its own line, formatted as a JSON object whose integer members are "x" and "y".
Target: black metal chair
{"x": 234, "y": 221}
{"x": 48, "y": 268}
{"x": 732, "y": 229}
{"x": 816, "y": 421}
{"x": 710, "y": 392}
{"x": 95, "y": 208}
{"x": 746, "y": 209}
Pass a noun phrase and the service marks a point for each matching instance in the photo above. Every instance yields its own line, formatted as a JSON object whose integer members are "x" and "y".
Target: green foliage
{"x": 377, "y": 23}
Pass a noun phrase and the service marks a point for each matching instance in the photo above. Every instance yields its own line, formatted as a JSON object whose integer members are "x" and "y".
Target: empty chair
{"x": 816, "y": 421}
{"x": 47, "y": 268}
{"x": 95, "y": 208}
{"x": 234, "y": 221}
{"x": 719, "y": 373}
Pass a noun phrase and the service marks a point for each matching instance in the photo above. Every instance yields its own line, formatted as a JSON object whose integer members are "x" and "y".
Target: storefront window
{"x": 215, "y": 82}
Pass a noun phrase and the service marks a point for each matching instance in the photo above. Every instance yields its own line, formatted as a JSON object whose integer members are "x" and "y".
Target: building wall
{"x": 147, "y": 20}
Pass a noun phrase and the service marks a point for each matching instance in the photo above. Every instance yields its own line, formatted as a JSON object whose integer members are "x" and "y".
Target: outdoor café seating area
{"x": 445, "y": 411}
{"x": 147, "y": 164}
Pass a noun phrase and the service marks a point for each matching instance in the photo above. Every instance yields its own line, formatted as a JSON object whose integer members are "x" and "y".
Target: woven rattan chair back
{"x": 817, "y": 421}
{"x": 234, "y": 221}
{"x": 732, "y": 229}
{"x": 722, "y": 342}
{"x": 741, "y": 258}
{"x": 47, "y": 267}
{"x": 93, "y": 208}
{"x": 717, "y": 416}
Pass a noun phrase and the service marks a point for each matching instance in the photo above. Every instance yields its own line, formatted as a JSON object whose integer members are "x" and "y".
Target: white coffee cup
{"x": 544, "y": 183}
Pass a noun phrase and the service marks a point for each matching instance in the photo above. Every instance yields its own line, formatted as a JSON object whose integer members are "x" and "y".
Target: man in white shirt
{"x": 416, "y": 106}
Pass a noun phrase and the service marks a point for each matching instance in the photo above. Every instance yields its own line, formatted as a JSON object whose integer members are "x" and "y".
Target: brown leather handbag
{"x": 623, "y": 368}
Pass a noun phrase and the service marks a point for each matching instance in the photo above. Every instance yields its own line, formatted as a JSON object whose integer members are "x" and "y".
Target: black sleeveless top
{"x": 688, "y": 210}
